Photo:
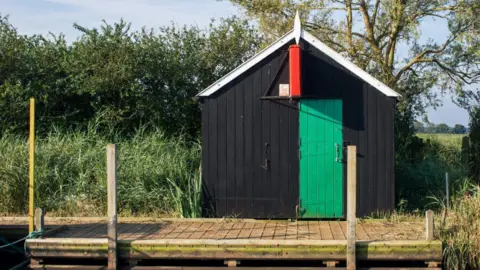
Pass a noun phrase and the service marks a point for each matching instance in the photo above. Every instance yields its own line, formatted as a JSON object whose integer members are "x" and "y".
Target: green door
{"x": 321, "y": 175}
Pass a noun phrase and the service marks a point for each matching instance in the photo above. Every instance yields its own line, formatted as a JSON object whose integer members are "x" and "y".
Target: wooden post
{"x": 447, "y": 190}
{"x": 351, "y": 206}
{"x": 112, "y": 205}
{"x": 39, "y": 220}
{"x": 429, "y": 225}
{"x": 31, "y": 168}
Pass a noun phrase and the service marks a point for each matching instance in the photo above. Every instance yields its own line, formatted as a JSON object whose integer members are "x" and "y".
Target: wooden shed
{"x": 274, "y": 131}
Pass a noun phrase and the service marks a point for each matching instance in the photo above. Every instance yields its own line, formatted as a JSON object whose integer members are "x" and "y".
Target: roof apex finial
{"x": 297, "y": 27}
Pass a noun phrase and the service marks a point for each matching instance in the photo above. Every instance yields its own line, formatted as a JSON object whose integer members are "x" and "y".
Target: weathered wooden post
{"x": 351, "y": 206}
{"x": 447, "y": 190}
{"x": 31, "y": 168}
{"x": 112, "y": 205}
{"x": 429, "y": 225}
{"x": 39, "y": 220}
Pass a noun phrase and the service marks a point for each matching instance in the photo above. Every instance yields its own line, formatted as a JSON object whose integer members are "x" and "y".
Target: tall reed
{"x": 70, "y": 174}
{"x": 461, "y": 230}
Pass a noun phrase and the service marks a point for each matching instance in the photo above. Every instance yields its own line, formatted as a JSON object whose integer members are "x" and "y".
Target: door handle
{"x": 337, "y": 152}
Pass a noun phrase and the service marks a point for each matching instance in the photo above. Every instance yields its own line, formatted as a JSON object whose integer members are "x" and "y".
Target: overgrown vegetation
{"x": 424, "y": 175}
{"x": 461, "y": 229}
{"x": 126, "y": 78}
{"x": 157, "y": 175}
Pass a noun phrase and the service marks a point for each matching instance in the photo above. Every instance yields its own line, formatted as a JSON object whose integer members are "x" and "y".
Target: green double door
{"x": 321, "y": 157}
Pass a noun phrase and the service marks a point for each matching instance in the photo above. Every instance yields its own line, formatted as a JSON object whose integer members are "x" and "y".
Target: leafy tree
{"x": 371, "y": 32}
{"x": 459, "y": 129}
{"x": 474, "y": 153}
{"x": 431, "y": 128}
{"x": 120, "y": 78}
{"x": 419, "y": 127}
{"x": 442, "y": 128}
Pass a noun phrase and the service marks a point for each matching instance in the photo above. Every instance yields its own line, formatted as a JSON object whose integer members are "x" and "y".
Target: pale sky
{"x": 58, "y": 16}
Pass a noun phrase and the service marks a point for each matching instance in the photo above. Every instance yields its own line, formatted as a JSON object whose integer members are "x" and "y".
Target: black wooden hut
{"x": 274, "y": 131}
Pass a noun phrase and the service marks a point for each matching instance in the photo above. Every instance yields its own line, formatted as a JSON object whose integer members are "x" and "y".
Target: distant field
{"x": 449, "y": 140}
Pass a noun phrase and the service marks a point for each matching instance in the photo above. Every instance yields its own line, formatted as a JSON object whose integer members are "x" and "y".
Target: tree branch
{"x": 375, "y": 12}
{"x": 348, "y": 35}
{"x": 419, "y": 58}
{"x": 370, "y": 31}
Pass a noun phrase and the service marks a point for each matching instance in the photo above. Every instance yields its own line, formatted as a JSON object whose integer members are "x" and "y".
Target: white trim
{"x": 349, "y": 65}
{"x": 246, "y": 65}
{"x": 314, "y": 42}
{"x": 297, "y": 28}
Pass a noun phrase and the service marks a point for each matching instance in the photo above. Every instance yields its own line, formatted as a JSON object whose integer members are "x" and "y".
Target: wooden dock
{"x": 239, "y": 240}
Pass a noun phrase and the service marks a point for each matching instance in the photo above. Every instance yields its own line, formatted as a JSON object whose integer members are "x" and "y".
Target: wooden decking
{"x": 240, "y": 240}
{"x": 248, "y": 230}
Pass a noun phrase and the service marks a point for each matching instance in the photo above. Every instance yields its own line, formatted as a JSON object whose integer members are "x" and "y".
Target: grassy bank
{"x": 423, "y": 185}
{"x": 417, "y": 182}
{"x": 156, "y": 175}
{"x": 460, "y": 232}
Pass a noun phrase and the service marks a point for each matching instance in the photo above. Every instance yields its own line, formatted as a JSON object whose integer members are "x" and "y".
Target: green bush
{"x": 128, "y": 78}
{"x": 474, "y": 152}
{"x": 70, "y": 174}
{"x": 423, "y": 177}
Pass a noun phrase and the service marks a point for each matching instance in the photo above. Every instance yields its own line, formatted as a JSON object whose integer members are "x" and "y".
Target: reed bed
{"x": 157, "y": 175}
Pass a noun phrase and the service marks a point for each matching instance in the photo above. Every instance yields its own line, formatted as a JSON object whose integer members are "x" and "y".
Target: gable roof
{"x": 296, "y": 34}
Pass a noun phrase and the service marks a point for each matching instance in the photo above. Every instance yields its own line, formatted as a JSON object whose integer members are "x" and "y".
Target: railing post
{"x": 429, "y": 225}
{"x": 39, "y": 220}
{"x": 31, "y": 168}
{"x": 112, "y": 205}
{"x": 351, "y": 206}
{"x": 447, "y": 190}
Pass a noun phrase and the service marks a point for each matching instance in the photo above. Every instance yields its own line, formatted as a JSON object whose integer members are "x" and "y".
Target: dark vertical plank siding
{"x": 237, "y": 125}
{"x": 205, "y": 158}
{"x": 257, "y": 142}
{"x": 211, "y": 164}
{"x": 264, "y": 200}
{"x": 240, "y": 191}
{"x": 381, "y": 152}
{"x": 248, "y": 146}
{"x": 390, "y": 152}
{"x": 245, "y": 124}
{"x": 372, "y": 147}
{"x": 367, "y": 123}
{"x": 222, "y": 154}
{"x": 362, "y": 170}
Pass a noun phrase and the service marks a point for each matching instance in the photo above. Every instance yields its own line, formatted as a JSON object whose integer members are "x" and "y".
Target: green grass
{"x": 418, "y": 181}
{"x": 453, "y": 141}
{"x": 423, "y": 184}
{"x": 157, "y": 176}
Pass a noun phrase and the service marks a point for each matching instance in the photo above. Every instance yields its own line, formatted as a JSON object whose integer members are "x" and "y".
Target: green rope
{"x": 32, "y": 235}
{"x": 15, "y": 248}
{"x": 14, "y": 243}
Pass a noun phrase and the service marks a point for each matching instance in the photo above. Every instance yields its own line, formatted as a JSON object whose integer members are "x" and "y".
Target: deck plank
{"x": 302, "y": 230}
{"x": 280, "y": 230}
{"x": 269, "y": 230}
{"x": 246, "y": 230}
{"x": 292, "y": 231}
{"x": 361, "y": 232}
{"x": 257, "y": 231}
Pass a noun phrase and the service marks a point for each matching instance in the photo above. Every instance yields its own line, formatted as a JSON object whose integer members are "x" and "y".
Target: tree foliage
{"x": 119, "y": 77}
{"x": 372, "y": 32}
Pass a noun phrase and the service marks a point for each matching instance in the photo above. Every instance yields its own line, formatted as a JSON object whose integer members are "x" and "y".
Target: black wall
{"x": 250, "y": 161}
